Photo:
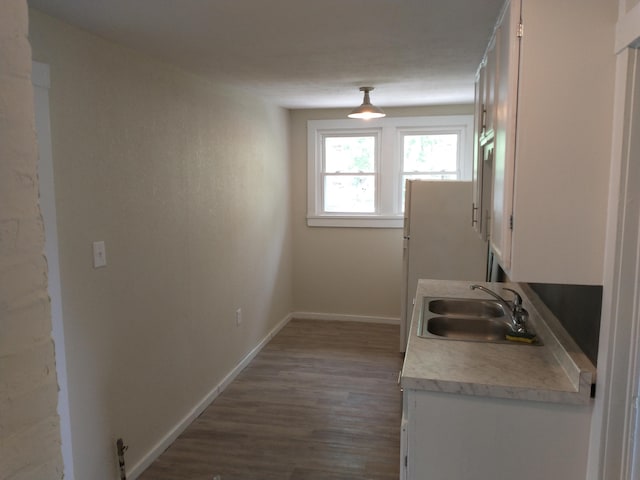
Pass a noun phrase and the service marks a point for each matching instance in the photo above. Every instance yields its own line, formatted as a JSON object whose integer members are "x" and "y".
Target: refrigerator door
{"x": 442, "y": 243}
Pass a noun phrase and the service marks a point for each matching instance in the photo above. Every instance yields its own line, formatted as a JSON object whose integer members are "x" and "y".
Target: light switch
{"x": 99, "y": 254}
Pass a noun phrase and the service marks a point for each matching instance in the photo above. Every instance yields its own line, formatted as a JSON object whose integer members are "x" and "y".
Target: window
{"x": 357, "y": 169}
{"x": 350, "y": 173}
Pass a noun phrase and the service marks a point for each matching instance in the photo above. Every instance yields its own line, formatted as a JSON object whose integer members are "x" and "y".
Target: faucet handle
{"x": 519, "y": 314}
{"x": 517, "y": 299}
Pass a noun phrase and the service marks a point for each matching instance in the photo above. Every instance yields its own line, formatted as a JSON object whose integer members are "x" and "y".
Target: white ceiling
{"x": 306, "y": 53}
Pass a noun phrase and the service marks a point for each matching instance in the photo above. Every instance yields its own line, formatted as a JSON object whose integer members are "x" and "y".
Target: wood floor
{"x": 320, "y": 402}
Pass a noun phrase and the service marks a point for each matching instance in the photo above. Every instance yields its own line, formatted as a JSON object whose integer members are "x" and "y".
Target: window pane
{"x": 430, "y": 153}
{"x": 349, "y": 193}
{"x": 349, "y": 154}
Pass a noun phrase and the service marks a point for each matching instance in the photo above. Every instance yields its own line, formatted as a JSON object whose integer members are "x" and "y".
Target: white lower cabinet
{"x": 462, "y": 437}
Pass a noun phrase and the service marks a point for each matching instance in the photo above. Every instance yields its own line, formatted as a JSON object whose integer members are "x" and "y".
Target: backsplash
{"x": 578, "y": 308}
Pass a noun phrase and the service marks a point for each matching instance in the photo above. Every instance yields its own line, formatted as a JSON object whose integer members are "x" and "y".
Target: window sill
{"x": 356, "y": 221}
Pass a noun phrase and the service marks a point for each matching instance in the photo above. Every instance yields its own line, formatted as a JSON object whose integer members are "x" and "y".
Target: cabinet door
{"x": 485, "y": 114}
{"x": 482, "y": 188}
{"x": 490, "y": 87}
{"x": 404, "y": 425}
{"x": 464, "y": 437}
{"x": 487, "y": 188}
{"x": 507, "y": 58}
{"x": 476, "y": 212}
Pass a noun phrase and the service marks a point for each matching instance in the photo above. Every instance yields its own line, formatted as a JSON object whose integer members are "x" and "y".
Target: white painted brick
{"x": 9, "y": 231}
{"x": 28, "y": 323}
{"x": 19, "y": 194}
{"x": 15, "y": 98}
{"x": 29, "y": 425}
{"x": 31, "y": 448}
{"x": 46, "y": 471}
{"x": 21, "y": 236}
{"x": 21, "y": 276}
{"x": 16, "y": 57}
{"x": 17, "y": 123}
{"x": 25, "y": 370}
{"x": 14, "y": 20}
{"x": 22, "y": 411}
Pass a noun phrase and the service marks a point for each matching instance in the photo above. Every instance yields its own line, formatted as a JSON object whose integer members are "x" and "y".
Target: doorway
{"x": 616, "y": 426}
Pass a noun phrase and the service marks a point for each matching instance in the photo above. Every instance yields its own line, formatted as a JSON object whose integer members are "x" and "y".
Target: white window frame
{"x": 389, "y": 154}
{"x": 376, "y": 133}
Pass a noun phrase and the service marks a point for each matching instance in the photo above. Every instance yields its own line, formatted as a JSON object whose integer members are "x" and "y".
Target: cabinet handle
{"x": 474, "y": 209}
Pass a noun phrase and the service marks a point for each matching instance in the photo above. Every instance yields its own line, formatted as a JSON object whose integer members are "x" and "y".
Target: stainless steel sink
{"x": 468, "y": 319}
{"x": 468, "y": 328}
{"x": 466, "y": 307}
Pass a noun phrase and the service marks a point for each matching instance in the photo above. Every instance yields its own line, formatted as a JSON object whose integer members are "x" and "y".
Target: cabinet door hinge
{"x": 520, "y": 30}
{"x": 511, "y": 222}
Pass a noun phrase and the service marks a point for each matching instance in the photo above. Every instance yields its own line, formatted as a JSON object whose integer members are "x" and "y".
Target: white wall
{"x": 629, "y": 5}
{"x": 188, "y": 184}
{"x": 29, "y": 425}
{"x": 345, "y": 271}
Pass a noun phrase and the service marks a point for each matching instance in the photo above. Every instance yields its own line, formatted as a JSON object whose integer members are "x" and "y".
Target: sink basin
{"x": 466, "y": 307}
{"x": 467, "y": 328}
{"x": 467, "y": 319}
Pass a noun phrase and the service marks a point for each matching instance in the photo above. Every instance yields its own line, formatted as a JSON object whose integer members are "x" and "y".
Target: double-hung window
{"x": 357, "y": 169}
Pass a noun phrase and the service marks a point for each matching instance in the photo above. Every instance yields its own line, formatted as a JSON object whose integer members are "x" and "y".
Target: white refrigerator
{"x": 439, "y": 240}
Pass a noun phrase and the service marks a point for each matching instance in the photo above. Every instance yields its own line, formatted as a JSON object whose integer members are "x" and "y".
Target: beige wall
{"x": 630, "y": 4}
{"x": 188, "y": 184}
{"x": 345, "y": 271}
{"x": 29, "y": 425}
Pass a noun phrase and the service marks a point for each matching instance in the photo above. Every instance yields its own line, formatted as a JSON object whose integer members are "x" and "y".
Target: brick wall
{"x": 29, "y": 427}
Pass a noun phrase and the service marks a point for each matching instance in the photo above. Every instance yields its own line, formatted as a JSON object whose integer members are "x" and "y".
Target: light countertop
{"x": 557, "y": 371}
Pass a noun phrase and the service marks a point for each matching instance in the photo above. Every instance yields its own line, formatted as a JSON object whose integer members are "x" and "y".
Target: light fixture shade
{"x": 366, "y": 110}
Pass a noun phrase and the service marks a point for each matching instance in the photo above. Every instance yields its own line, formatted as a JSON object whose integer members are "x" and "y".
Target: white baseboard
{"x": 181, "y": 426}
{"x": 345, "y": 317}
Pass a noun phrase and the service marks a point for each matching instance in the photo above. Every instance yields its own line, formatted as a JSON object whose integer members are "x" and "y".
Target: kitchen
{"x": 382, "y": 301}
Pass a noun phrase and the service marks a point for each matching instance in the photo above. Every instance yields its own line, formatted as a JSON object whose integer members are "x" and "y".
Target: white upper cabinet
{"x": 554, "y": 70}
{"x": 507, "y": 41}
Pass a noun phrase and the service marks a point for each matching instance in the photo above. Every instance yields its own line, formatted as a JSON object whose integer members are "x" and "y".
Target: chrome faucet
{"x": 517, "y": 313}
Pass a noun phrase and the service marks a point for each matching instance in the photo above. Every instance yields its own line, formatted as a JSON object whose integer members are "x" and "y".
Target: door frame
{"x": 41, "y": 83}
{"x": 615, "y": 438}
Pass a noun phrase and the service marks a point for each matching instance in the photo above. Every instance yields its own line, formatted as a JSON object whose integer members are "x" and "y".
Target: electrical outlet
{"x": 238, "y": 317}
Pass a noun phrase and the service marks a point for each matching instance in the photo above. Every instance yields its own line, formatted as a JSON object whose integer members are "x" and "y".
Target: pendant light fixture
{"x": 366, "y": 110}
